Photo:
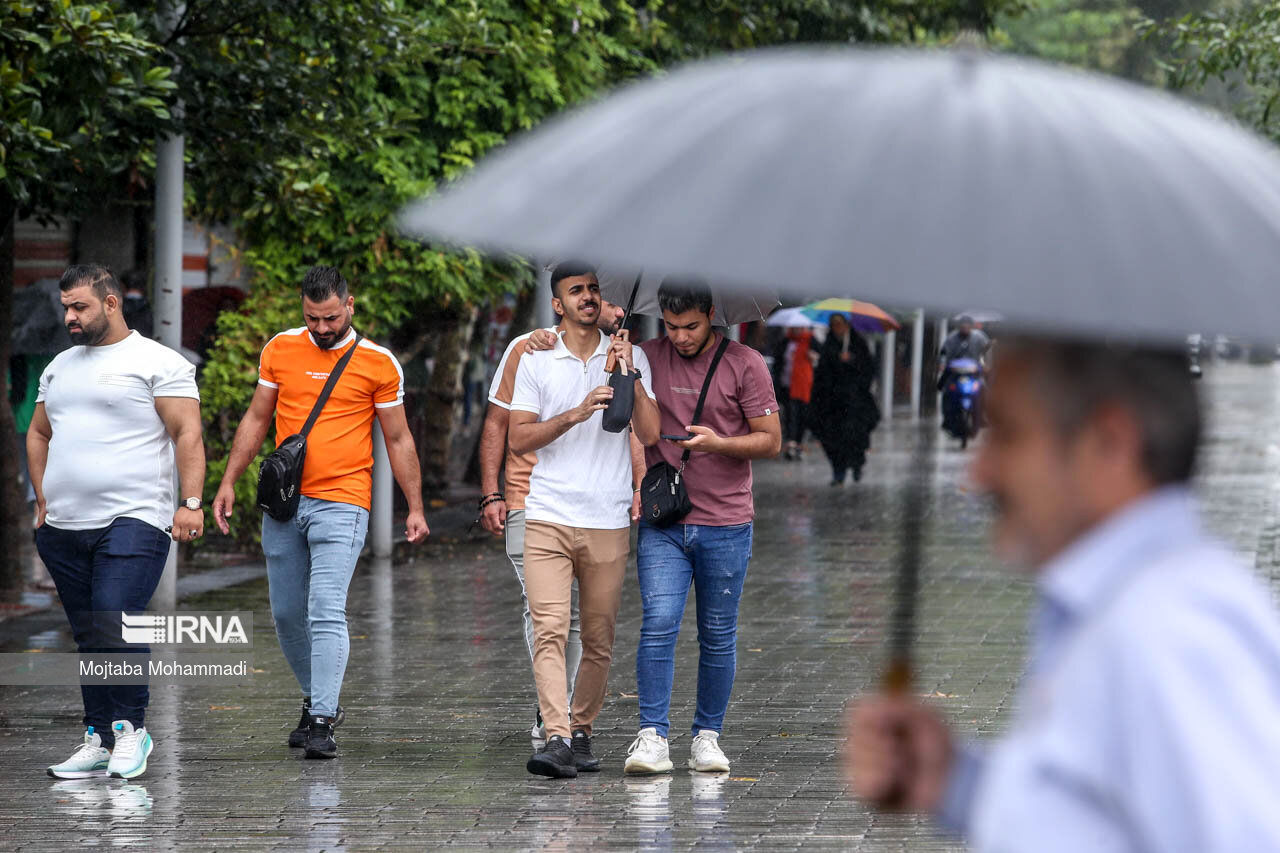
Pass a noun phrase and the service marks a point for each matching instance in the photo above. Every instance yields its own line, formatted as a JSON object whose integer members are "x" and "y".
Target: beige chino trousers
{"x": 553, "y": 556}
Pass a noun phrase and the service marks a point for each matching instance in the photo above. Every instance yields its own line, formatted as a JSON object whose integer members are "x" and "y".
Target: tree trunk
{"x": 15, "y": 527}
{"x": 444, "y": 391}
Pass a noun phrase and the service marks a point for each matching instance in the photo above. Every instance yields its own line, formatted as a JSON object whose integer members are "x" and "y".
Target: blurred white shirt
{"x": 1149, "y": 718}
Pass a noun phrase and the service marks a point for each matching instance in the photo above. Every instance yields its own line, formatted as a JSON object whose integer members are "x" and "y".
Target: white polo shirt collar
{"x": 562, "y": 351}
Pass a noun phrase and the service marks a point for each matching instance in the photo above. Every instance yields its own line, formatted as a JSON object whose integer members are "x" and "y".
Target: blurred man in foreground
{"x": 1147, "y": 715}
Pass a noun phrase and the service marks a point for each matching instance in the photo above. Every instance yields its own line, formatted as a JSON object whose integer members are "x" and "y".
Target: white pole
{"x": 942, "y": 338}
{"x": 380, "y": 517}
{"x": 917, "y": 362}
{"x": 888, "y": 355}
{"x": 168, "y": 278}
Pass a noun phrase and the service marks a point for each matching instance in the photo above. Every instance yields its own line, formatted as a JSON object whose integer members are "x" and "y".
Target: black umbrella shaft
{"x": 631, "y": 303}
{"x": 902, "y": 628}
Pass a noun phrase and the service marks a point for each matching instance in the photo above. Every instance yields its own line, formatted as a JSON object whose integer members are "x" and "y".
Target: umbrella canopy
{"x": 733, "y": 305}
{"x": 791, "y": 318}
{"x": 945, "y": 179}
{"x": 863, "y": 316}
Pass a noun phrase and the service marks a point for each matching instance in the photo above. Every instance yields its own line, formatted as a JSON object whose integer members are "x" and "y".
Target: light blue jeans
{"x": 310, "y": 560}
{"x": 712, "y": 560}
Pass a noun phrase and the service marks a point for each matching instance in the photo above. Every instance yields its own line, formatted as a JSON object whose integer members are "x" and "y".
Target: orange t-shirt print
{"x": 339, "y": 465}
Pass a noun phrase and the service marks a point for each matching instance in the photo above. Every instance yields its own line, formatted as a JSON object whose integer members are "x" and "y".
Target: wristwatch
{"x": 193, "y": 503}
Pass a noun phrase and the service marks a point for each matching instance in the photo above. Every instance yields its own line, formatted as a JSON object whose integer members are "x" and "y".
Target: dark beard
{"x": 89, "y": 336}
{"x": 330, "y": 342}
{"x": 702, "y": 347}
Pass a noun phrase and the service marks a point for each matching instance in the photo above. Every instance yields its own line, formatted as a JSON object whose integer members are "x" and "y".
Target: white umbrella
{"x": 791, "y": 318}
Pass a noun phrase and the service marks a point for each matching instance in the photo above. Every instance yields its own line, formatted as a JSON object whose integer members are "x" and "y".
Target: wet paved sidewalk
{"x": 439, "y": 694}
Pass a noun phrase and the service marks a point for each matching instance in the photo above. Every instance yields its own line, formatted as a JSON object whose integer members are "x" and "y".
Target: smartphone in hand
{"x": 685, "y": 437}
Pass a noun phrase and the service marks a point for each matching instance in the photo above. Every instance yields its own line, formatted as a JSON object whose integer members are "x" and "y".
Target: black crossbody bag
{"x": 664, "y": 500}
{"x": 280, "y": 475}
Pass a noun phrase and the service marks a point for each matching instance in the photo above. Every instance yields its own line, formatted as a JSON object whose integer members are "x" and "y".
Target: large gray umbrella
{"x": 935, "y": 179}
{"x": 1061, "y": 199}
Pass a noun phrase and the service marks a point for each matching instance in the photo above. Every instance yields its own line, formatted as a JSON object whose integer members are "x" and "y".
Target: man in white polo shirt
{"x": 578, "y": 511}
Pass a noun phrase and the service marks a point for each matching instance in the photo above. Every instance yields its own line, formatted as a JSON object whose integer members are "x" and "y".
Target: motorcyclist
{"x": 964, "y": 342}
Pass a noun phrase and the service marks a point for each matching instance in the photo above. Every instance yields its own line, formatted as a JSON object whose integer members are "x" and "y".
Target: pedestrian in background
{"x": 799, "y": 363}
{"x": 311, "y": 557}
{"x": 1147, "y": 715}
{"x": 137, "y": 309}
{"x": 115, "y": 414}
{"x": 709, "y": 548}
{"x": 843, "y": 411}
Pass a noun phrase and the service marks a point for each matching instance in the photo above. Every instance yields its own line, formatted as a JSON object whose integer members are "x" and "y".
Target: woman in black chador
{"x": 842, "y": 410}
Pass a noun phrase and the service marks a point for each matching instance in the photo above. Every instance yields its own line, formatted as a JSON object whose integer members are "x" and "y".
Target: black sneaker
{"x": 320, "y": 742}
{"x": 554, "y": 760}
{"x": 298, "y": 737}
{"x": 582, "y": 757}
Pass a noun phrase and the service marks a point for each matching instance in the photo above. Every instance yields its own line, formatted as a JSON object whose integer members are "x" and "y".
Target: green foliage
{"x": 1236, "y": 48}
{"x": 1096, "y": 34}
{"x": 690, "y": 28}
{"x": 79, "y": 85}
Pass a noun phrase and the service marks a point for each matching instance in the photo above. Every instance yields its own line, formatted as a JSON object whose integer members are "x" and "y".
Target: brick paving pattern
{"x": 439, "y": 695}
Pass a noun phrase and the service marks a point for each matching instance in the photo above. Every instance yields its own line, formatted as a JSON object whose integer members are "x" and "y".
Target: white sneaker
{"x": 648, "y": 753}
{"x": 705, "y": 755}
{"x": 129, "y": 758}
{"x": 88, "y": 762}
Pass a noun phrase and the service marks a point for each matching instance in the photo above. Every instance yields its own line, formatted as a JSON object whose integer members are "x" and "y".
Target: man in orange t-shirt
{"x": 311, "y": 557}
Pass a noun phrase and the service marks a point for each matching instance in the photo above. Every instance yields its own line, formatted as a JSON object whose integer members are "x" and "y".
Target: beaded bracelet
{"x": 493, "y": 498}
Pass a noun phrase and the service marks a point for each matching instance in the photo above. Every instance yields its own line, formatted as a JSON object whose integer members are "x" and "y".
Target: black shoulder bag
{"x": 280, "y": 475}
{"x": 664, "y": 500}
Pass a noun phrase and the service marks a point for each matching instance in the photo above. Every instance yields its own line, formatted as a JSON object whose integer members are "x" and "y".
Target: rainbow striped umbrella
{"x": 863, "y": 316}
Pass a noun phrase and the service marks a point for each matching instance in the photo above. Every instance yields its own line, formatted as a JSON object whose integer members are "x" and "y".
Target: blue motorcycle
{"x": 961, "y": 399}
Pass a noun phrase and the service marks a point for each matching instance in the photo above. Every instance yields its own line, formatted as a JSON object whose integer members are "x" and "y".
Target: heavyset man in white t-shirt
{"x": 102, "y": 529}
{"x": 579, "y": 509}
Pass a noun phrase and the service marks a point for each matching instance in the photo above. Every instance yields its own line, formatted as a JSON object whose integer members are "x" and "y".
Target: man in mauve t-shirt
{"x": 711, "y": 546}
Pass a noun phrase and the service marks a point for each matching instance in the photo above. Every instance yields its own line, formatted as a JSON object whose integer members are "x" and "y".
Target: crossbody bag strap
{"x": 329, "y": 385}
{"x": 706, "y": 385}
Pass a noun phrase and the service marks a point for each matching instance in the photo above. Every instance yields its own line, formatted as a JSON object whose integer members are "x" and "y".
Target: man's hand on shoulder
{"x": 541, "y": 339}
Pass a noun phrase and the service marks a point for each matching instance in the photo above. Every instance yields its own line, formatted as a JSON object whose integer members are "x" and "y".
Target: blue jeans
{"x": 713, "y": 560}
{"x": 310, "y": 560}
{"x": 107, "y": 570}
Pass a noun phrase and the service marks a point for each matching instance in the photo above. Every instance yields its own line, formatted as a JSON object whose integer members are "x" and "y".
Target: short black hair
{"x": 681, "y": 295}
{"x": 322, "y": 282}
{"x": 1075, "y": 378}
{"x": 100, "y": 278}
{"x": 570, "y": 269}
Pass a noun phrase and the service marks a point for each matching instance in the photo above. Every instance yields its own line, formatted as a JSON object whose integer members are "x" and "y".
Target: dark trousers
{"x": 107, "y": 570}
{"x": 797, "y": 420}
